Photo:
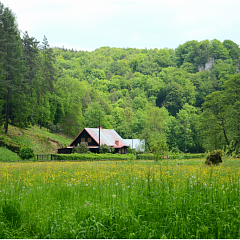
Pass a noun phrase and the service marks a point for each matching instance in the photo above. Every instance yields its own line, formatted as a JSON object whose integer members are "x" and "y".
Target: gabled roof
{"x": 107, "y": 136}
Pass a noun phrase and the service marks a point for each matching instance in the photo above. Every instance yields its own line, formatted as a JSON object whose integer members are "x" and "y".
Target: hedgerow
{"x": 150, "y": 156}
{"x": 93, "y": 156}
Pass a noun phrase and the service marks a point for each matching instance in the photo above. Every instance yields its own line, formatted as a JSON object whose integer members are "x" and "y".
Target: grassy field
{"x": 124, "y": 199}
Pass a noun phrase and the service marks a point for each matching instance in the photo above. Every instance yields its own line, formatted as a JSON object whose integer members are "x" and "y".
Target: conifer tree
{"x": 11, "y": 67}
{"x": 30, "y": 55}
{"x": 48, "y": 79}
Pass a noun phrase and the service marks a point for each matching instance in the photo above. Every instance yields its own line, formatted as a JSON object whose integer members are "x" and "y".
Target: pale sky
{"x": 90, "y": 24}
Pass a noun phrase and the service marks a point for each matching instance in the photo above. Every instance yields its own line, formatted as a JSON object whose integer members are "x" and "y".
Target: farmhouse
{"x": 91, "y": 136}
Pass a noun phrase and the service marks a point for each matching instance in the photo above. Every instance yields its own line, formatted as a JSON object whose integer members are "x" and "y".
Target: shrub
{"x": 132, "y": 151}
{"x": 214, "y": 157}
{"x": 26, "y": 153}
{"x": 81, "y": 148}
{"x": 106, "y": 149}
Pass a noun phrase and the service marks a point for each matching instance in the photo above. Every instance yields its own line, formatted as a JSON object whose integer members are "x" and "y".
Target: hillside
{"x": 41, "y": 140}
{"x": 176, "y": 99}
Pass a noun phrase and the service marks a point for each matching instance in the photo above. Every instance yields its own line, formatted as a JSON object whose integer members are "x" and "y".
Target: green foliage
{"x": 81, "y": 147}
{"x": 214, "y": 157}
{"x": 233, "y": 49}
{"x": 159, "y": 148}
{"x": 106, "y": 149}
{"x": 175, "y": 151}
{"x": 132, "y": 151}
{"x": 178, "y": 156}
{"x": 26, "y": 153}
{"x": 11, "y": 80}
{"x": 92, "y": 116}
{"x": 219, "y": 123}
{"x": 218, "y": 50}
{"x": 65, "y": 89}
{"x": 187, "y": 52}
{"x": 232, "y": 149}
{"x": 93, "y": 156}
{"x": 54, "y": 128}
{"x": 70, "y": 92}
{"x": 182, "y": 156}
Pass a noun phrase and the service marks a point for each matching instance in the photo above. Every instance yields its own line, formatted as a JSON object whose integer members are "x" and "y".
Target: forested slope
{"x": 172, "y": 98}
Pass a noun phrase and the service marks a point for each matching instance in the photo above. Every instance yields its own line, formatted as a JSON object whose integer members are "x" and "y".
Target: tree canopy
{"x": 165, "y": 96}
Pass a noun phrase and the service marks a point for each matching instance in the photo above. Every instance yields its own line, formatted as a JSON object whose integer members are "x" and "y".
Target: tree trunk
{"x": 224, "y": 133}
{"x": 43, "y": 88}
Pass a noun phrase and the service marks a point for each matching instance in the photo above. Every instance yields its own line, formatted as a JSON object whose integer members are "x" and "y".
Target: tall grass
{"x": 119, "y": 200}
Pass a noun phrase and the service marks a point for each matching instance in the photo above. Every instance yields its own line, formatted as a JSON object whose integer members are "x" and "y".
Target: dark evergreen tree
{"x": 48, "y": 79}
{"x": 11, "y": 70}
{"x": 30, "y": 55}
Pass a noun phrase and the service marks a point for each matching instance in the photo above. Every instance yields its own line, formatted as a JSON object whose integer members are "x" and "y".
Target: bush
{"x": 81, "y": 147}
{"x": 26, "y": 153}
{"x": 106, "y": 149}
{"x": 132, "y": 151}
{"x": 214, "y": 157}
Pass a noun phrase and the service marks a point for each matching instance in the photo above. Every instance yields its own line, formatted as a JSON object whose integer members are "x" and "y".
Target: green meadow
{"x": 120, "y": 199}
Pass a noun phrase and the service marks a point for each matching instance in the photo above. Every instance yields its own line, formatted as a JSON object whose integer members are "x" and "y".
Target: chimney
{"x": 117, "y": 142}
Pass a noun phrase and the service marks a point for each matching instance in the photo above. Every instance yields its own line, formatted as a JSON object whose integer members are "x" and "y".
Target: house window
{"x": 122, "y": 150}
{"x": 89, "y": 140}
{"x": 82, "y": 139}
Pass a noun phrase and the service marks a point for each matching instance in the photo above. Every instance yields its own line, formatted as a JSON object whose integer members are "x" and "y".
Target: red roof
{"x": 107, "y": 136}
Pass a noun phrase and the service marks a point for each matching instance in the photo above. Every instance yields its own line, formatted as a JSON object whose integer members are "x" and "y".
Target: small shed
{"x": 137, "y": 144}
{"x": 91, "y": 135}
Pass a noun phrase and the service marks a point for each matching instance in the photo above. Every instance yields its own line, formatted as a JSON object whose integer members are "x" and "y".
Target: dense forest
{"x": 185, "y": 99}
